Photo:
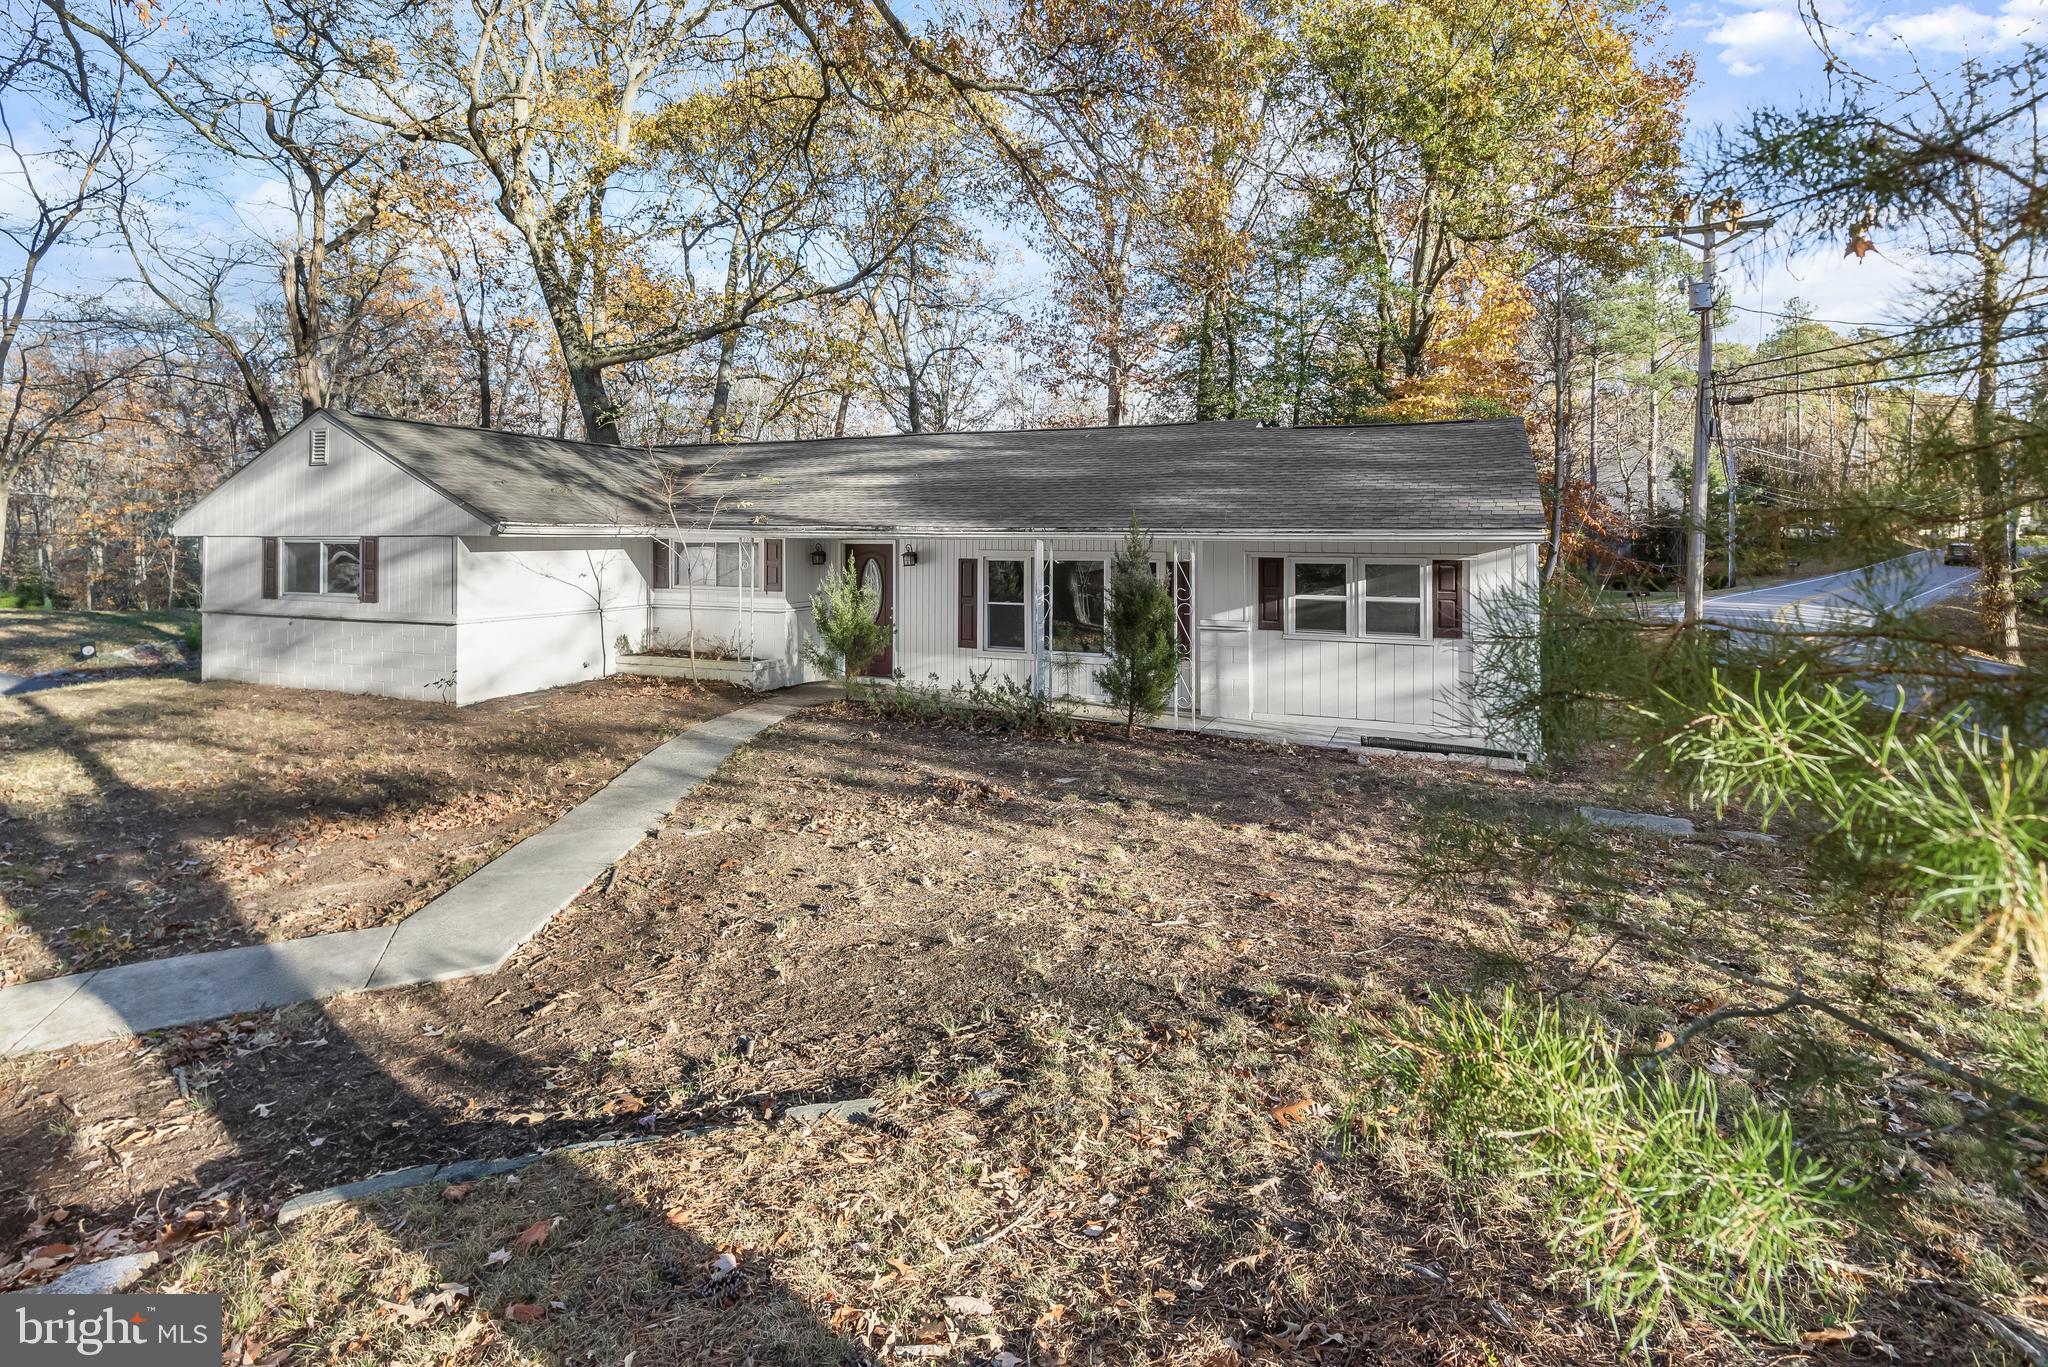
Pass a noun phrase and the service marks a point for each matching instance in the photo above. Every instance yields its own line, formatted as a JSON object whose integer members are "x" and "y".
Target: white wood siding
{"x": 356, "y": 493}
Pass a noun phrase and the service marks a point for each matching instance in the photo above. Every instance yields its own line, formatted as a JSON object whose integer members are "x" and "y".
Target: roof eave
{"x": 1532, "y": 532}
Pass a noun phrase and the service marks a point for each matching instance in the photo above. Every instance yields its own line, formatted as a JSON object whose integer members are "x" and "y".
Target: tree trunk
{"x": 483, "y": 385}
{"x": 600, "y": 415}
{"x": 1650, "y": 491}
{"x": 1205, "y": 365}
{"x": 1115, "y": 385}
{"x": 1997, "y": 603}
{"x": 839, "y": 418}
{"x": 716, "y": 421}
{"x": 1560, "y": 443}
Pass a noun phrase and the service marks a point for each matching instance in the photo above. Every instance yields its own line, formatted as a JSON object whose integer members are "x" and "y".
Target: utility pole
{"x": 1721, "y": 226}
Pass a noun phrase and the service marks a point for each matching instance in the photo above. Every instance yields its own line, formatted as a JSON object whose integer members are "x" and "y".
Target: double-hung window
{"x": 1322, "y": 597}
{"x": 323, "y": 568}
{"x": 1355, "y": 598}
{"x": 1391, "y": 596}
{"x": 1003, "y": 622}
{"x": 1071, "y": 614}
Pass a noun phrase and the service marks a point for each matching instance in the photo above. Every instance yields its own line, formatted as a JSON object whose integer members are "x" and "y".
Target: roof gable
{"x": 355, "y": 490}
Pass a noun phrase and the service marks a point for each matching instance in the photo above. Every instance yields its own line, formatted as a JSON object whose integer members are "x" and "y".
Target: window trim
{"x": 284, "y": 545}
{"x": 1052, "y": 558}
{"x": 679, "y": 567}
{"x": 1425, "y": 627}
{"x": 1348, "y": 597}
{"x": 1355, "y": 599}
{"x": 1023, "y": 563}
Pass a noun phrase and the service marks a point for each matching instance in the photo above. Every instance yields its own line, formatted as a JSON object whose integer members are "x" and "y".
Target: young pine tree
{"x": 1144, "y": 659}
{"x": 844, "y": 611}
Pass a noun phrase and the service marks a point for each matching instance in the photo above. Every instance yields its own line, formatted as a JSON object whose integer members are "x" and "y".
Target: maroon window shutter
{"x": 1450, "y": 600}
{"x": 1272, "y": 593}
{"x": 270, "y": 567}
{"x": 1184, "y": 604}
{"x": 771, "y": 566}
{"x": 367, "y": 582}
{"x": 970, "y": 606}
{"x": 660, "y": 564}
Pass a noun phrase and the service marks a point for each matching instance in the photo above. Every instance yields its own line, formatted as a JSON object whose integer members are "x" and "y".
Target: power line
{"x": 1916, "y": 378}
{"x": 1890, "y": 358}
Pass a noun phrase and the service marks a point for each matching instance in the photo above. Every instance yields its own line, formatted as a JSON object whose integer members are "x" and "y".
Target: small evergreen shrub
{"x": 844, "y": 611}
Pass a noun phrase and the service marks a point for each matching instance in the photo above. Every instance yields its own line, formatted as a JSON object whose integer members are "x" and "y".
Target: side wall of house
{"x": 402, "y": 645}
{"x": 537, "y": 612}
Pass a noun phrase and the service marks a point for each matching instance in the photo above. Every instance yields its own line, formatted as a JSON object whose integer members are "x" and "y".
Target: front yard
{"x": 145, "y": 817}
{"x": 1127, "y": 1009}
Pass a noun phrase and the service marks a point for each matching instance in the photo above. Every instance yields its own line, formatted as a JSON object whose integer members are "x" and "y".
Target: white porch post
{"x": 1034, "y": 633}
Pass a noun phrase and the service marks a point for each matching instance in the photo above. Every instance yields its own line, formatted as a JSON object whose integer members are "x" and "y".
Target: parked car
{"x": 1960, "y": 553}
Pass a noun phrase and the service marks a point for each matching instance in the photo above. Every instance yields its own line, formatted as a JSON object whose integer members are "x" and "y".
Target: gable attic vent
{"x": 319, "y": 455}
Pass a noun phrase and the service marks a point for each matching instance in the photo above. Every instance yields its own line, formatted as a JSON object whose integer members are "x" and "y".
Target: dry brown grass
{"x": 32, "y": 642}
{"x": 1130, "y": 1197}
{"x": 142, "y": 817}
{"x": 1144, "y": 960}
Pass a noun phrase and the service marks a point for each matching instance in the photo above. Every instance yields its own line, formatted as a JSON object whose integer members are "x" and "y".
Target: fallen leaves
{"x": 525, "y": 1312}
{"x": 1293, "y": 1113}
{"x": 456, "y": 1191}
{"x": 533, "y": 1236}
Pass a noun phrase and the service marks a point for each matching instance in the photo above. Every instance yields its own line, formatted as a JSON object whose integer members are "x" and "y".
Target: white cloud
{"x": 1753, "y": 35}
{"x": 1750, "y": 37}
{"x": 265, "y": 208}
{"x": 1953, "y": 29}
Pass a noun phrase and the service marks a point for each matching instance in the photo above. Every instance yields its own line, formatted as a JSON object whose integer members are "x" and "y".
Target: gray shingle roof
{"x": 1225, "y": 477}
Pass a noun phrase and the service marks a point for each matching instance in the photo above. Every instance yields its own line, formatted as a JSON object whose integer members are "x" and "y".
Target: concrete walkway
{"x": 471, "y": 929}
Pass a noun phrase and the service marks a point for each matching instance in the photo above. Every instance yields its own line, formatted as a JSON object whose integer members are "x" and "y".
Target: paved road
{"x": 1848, "y": 599}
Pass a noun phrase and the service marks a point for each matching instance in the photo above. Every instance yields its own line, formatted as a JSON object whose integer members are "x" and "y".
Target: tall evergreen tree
{"x": 1144, "y": 659}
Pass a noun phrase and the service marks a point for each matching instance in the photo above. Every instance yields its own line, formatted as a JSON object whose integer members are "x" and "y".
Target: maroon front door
{"x": 872, "y": 565}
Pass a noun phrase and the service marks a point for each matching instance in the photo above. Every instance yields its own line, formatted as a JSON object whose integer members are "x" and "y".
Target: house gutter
{"x": 1507, "y": 535}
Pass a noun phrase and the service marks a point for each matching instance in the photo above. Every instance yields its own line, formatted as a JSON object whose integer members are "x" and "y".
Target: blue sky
{"x": 1758, "y": 52}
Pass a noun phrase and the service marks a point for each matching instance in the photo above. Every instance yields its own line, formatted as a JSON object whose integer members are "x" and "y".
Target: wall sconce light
{"x": 910, "y": 557}
{"x": 817, "y": 554}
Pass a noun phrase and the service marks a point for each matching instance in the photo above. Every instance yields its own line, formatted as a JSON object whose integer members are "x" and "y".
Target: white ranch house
{"x": 1327, "y": 577}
